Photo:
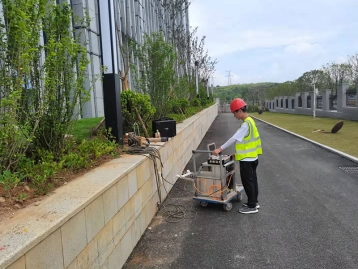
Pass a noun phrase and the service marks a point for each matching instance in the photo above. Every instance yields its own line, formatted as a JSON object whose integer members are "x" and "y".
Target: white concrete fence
{"x": 342, "y": 106}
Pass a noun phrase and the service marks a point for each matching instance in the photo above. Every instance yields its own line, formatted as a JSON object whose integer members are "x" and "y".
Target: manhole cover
{"x": 350, "y": 169}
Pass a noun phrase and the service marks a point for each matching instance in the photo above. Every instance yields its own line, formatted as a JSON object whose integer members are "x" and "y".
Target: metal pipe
{"x": 314, "y": 100}
{"x": 197, "y": 78}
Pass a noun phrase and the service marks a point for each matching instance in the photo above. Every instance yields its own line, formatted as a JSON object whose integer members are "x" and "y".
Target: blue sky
{"x": 275, "y": 40}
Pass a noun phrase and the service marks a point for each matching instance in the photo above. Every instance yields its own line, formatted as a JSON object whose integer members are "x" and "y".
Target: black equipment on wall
{"x": 166, "y": 126}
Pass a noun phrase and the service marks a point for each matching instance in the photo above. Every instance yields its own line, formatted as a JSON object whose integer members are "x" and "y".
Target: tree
{"x": 353, "y": 62}
{"x": 40, "y": 91}
{"x": 336, "y": 74}
{"x": 156, "y": 72}
{"x": 310, "y": 79}
{"x": 125, "y": 47}
{"x": 176, "y": 30}
{"x": 206, "y": 65}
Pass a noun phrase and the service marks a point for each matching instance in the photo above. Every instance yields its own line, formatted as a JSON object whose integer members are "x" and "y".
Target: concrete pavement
{"x": 307, "y": 219}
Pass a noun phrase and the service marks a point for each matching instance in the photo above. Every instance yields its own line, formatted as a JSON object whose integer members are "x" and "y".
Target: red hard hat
{"x": 237, "y": 104}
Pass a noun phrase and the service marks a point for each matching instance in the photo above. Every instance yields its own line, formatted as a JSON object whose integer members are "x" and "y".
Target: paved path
{"x": 308, "y": 216}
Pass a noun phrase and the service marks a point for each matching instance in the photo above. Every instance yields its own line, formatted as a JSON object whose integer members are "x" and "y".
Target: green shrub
{"x": 43, "y": 172}
{"x": 96, "y": 147}
{"x": 252, "y": 108}
{"x": 156, "y": 75}
{"x": 75, "y": 161}
{"x": 177, "y": 117}
{"x": 196, "y": 102}
{"x": 179, "y": 105}
{"x": 10, "y": 180}
{"x": 134, "y": 104}
{"x": 40, "y": 169}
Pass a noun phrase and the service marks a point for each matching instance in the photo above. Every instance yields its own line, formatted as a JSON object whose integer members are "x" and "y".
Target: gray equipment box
{"x": 216, "y": 183}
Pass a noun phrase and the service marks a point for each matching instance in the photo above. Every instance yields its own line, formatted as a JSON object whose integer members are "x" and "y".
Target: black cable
{"x": 150, "y": 153}
{"x": 181, "y": 212}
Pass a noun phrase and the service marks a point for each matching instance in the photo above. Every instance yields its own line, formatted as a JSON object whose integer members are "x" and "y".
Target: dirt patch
{"x": 168, "y": 242}
{"x": 23, "y": 195}
{"x": 157, "y": 220}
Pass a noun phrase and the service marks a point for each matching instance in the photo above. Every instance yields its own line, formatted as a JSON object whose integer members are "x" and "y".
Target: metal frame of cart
{"x": 216, "y": 175}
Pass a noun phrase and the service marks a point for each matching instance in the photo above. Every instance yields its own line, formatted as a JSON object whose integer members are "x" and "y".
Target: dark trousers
{"x": 249, "y": 181}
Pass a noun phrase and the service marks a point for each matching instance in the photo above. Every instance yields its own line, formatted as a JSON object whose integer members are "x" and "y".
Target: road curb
{"x": 344, "y": 155}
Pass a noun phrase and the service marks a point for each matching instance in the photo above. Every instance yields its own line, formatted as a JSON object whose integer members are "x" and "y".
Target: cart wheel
{"x": 227, "y": 207}
{"x": 204, "y": 204}
{"x": 239, "y": 196}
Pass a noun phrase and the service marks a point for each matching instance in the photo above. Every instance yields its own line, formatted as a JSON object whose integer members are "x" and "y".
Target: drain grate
{"x": 350, "y": 169}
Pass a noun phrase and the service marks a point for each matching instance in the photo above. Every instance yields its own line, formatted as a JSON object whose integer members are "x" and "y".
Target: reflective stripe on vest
{"x": 248, "y": 151}
{"x": 250, "y": 147}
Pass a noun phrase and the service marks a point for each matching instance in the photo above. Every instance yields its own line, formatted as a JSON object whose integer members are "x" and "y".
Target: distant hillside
{"x": 253, "y": 93}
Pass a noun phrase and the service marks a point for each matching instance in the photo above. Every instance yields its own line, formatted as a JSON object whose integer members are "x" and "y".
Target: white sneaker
{"x": 245, "y": 205}
{"x": 248, "y": 210}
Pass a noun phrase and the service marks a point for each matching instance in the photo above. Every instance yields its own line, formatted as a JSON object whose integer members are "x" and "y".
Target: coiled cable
{"x": 175, "y": 213}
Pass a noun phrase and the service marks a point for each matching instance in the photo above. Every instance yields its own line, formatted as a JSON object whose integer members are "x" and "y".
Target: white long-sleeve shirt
{"x": 238, "y": 137}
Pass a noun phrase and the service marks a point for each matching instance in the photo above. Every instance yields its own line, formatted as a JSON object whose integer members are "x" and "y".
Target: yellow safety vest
{"x": 250, "y": 146}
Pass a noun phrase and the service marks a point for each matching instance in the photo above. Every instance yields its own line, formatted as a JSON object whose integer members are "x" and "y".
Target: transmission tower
{"x": 229, "y": 78}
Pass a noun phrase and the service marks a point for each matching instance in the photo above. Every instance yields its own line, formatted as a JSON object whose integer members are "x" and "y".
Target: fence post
{"x": 304, "y": 99}
{"x": 341, "y": 96}
{"x": 297, "y": 95}
{"x": 325, "y": 100}
{"x": 289, "y": 102}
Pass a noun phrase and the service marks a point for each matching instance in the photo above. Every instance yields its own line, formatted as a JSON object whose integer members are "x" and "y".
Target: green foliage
{"x": 252, "y": 93}
{"x": 206, "y": 101}
{"x": 177, "y": 117}
{"x": 22, "y": 196}
{"x": 74, "y": 161}
{"x": 19, "y": 56}
{"x": 42, "y": 89}
{"x": 179, "y": 105}
{"x": 9, "y": 181}
{"x": 39, "y": 95}
{"x": 75, "y": 155}
{"x": 63, "y": 88}
{"x": 189, "y": 111}
{"x": 96, "y": 147}
{"x": 134, "y": 104}
{"x": 183, "y": 88}
{"x": 196, "y": 102}
{"x": 252, "y": 108}
{"x": 287, "y": 88}
{"x": 79, "y": 154}
{"x": 44, "y": 171}
{"x": 83, "y": 155}
{"x": 156, "y": 72}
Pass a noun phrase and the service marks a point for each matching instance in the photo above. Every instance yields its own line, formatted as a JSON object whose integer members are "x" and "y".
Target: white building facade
{"x": 112, "y": 23}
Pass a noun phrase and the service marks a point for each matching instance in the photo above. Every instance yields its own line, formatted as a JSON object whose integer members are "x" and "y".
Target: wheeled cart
{"x": 214, "y": 180}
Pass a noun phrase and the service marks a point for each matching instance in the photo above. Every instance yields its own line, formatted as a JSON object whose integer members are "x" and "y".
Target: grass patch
{"x": 83, "y": 127}
{"x": 346, "y": 140}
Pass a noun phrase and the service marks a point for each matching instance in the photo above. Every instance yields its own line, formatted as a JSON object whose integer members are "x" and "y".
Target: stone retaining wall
{"x": 96, "y": 220}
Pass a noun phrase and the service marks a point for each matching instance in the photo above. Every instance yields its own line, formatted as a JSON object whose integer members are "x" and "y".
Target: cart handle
{"x": 202, "y": 151}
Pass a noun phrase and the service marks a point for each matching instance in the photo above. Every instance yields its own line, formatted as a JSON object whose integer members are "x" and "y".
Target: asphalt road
{"x": 308, "y": 216}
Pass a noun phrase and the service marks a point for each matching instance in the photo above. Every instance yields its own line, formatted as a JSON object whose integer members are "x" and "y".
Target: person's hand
{"x": 216, "y": 151}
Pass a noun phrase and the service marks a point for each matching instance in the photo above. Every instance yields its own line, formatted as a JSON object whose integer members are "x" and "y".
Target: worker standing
{"x": 247, "y": 149}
